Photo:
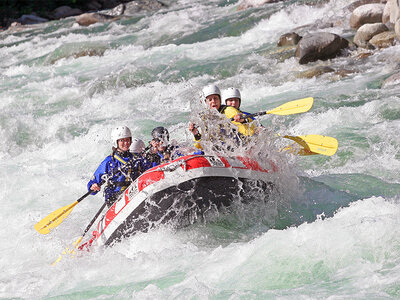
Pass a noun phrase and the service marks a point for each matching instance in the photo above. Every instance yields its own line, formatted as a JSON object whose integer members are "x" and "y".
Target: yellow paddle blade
{"x": 68, "y": 251}
{"x": 315, "y": 143}
{"x": 320, "y": 144}
{"x": 293, "y": 107}
{"x": 54, "y": 219}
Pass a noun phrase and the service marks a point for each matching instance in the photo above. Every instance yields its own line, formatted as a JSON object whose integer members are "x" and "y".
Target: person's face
{"x": 235, "y": 102}
{"x": 213, "y": 101}
{"x": 159, "y": 145}
{"x": 124, "y": 144}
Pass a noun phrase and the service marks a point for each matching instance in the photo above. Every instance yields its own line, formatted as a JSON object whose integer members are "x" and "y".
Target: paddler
{"x": 138, "y": 148}
{"x": 212, "y": 98}
{"x": 160, "y": 150}
{"x": 119, "y": 169}
{"x": 232, "y": 97}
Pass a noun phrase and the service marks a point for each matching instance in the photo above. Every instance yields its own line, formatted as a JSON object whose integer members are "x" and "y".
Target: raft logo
{"x": 134, "y": 190}
{"x": 215, "y": 161}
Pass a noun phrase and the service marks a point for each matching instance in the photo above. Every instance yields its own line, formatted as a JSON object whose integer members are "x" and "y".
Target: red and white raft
{"x": 181, "y": 190}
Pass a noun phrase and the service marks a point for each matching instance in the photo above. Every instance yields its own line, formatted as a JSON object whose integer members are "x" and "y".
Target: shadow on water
{"x": 314, "y": 198}
{"x": 322, "y": 196}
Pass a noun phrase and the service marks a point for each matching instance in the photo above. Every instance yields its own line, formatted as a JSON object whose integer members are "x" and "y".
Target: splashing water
{"x": 329, "y": 232}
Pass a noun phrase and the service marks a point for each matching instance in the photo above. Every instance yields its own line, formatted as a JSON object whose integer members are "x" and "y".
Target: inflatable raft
{"x": 181, "y": 191}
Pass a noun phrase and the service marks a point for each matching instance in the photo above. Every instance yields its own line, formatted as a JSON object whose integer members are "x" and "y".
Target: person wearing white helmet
{"x": 231, "y": 96}
{"x": 212, "y": 97}
{"x": 137, "y": 146}
{"x": 160, "y": 149}
{"x": 121, "y": 167}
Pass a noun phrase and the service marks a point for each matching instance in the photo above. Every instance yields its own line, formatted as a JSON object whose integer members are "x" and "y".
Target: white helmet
{"x": 137, "y": 146}
{"x": 120, "y": 132}
{"x": 211, "y": 90}
{"x": 230, "y": 93}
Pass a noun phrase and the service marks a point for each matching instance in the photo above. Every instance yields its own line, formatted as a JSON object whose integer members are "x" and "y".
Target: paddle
{"x": 56, "y": 217}
{"x": 78, "y": 241}
{"x": 315, "y": 144}
{"x": 288, "y": 108}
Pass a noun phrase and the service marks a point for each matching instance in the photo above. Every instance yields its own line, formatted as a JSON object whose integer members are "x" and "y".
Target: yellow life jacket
{"x": 246, "y": 129}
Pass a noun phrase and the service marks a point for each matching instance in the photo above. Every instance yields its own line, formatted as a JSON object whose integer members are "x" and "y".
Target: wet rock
{"x": 129, "y": 8}
{"x": 386, "y": 13}
{"x": 366, "y": 32}
{"x": 364, "y": 54}
{"x": 359, "y": 3}
{"x": 92, "y": 18}
{"x": 383, "y": 40}
{"x": 245, "y": 4}
{"x": 289, "y": 39}
{"x": 117, "y": 11}
{"x": 65, "y": 12}
{"x": 76, "y": 50}
{"x": 366, "y": 14}
{"x": 394, "y": 10}
{"x": 139, "y": 5}
{"x": 31, "y": 19}
{"x": 344, "y": 72}
{"x": 15, "y": 27}
{"x": 315, "y": 72}
{"x": 392, "y": 80}
{"x": 397, "y": 28}
{"x": 322, "y": 45}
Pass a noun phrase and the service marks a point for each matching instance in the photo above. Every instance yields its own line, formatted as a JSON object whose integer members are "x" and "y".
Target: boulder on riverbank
{"x": 52, "y": 12}
{"x": 322, "y": 45}
{"x": 359, "y": 3}
{"x": 289, "y": 39}
{"x": 366, "y": 32}
{"x": 245, "y": 4}
{"x": 392, "y": 80}
{"x": 30, "y": 20}
{"x": 92, "y": 18}
{"x": 134, "y": 7}
{"x": 124, "y": 9}
{"x": 366, "y": 14}
{"x": 392, "y": 12}
{"x": 383, "y": 40}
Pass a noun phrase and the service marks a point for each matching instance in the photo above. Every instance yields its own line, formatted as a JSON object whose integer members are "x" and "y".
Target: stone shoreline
{"x": 375, "y": 24}
{"x": 111, "y": 8}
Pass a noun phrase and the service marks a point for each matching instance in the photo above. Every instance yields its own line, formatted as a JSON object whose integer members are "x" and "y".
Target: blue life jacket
{"x": 160, "y": 157}
{"x": 118, "y": 182}
{"x": 198, "y": 152}
{"x": 142, "y": 162}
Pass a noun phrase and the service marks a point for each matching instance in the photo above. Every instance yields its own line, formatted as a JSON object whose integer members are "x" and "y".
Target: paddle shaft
{"x": 84, "y": 196}
{"x": 252, "y": 115}
{"x": 288, "y": 108}
{"x": 94, "y": 219}
{"x": 261, "y": 113}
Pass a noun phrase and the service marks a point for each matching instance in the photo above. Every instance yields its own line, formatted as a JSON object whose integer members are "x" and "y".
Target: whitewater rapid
{"x": 335, "y": 237}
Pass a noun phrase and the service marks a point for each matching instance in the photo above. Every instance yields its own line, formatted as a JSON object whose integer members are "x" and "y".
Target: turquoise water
{"x": 332, "y": 233}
